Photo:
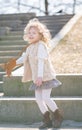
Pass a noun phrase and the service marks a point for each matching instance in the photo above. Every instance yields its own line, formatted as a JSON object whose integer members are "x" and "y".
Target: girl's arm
{"x": 42, "y": 55}
{"x": 20, "y": 59}
{"x": 40, "y": 72}
{"x": 40, "y": 67}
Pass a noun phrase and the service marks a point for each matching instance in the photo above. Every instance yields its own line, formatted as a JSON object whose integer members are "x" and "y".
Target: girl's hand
{"x": 38, "y": 81}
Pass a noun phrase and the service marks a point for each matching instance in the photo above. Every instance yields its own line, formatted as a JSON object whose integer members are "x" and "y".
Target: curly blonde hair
{"x": 43, "y": 30}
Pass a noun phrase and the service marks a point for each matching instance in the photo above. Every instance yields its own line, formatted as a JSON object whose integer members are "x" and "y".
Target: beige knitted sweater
{"x": 31, "y": 63}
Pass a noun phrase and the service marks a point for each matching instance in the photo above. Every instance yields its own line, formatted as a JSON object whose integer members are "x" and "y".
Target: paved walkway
{"x": 66, "y": 125}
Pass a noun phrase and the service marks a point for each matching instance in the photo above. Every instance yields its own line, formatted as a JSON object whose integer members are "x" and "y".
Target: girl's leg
{"x": 57, "y": 116}
{"x": 42, "y": 106}
{"x": 49, "y": 102}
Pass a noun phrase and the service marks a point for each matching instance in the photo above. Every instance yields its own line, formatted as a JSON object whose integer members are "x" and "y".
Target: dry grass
{"x": 67, "y": 55}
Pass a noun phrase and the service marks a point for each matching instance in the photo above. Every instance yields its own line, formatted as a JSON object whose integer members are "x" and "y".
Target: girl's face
{"x": 33, "y": 35}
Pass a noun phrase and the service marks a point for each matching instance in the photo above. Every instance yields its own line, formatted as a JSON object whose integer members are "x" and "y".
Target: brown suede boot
{"x": 47, "y": 123}
{"x": 57, "y": 119}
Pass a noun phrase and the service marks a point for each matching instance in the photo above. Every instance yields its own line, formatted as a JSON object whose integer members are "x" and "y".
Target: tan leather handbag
{"x": 11, "y": 64}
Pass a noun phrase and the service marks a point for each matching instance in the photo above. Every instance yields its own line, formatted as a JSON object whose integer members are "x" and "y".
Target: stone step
{"x": 9, "y": 53}
{"x": 10, "y": 23}
{"x": 51, "y": 27}
{"x": 20, "y": 32}
{"x": 12, "y": 47}
{"x": 66, "y": 125}
{"x": 1, "y": 75}
{"x": 4, "y": 59}
{"x": 13, "y": 42}
{"x": 55, "y": 17}
{"x": 16, "y": 33}
{"x": 17, "y": 16}
{"x": 1, "y": 70}
{"x": 14, "y": 37}
{"x": 18, "y": 24}
{"x": 1, "y": 86}
{"x": 25, "y": 110}
{"x": 27, "y": 16}
{"x": 71, "y": 85}
{"x": 55, "y": 21}
{"x": 49, "y": 23}
{"x": 4, "y": 30}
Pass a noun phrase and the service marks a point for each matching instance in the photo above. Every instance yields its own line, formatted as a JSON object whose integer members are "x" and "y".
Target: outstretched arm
{"x": 11, "y": 64}
{"x": 20, "y": 59}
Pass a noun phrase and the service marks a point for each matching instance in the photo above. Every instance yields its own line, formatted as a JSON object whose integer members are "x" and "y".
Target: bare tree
{"x": 74, "y": 5}
{"x": 46, "y": 7}
{"x": 51, "y": 7}
{"x": 18, "y": 5}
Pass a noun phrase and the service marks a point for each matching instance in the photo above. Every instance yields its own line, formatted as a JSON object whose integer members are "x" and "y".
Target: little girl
{"x": 38, "y": 68}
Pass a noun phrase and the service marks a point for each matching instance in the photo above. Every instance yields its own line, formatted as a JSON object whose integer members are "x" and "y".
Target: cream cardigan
{"x": 34, "y": 54}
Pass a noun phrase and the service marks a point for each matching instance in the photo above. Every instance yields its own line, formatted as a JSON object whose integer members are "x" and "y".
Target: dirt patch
{"x": 67, "y": 55}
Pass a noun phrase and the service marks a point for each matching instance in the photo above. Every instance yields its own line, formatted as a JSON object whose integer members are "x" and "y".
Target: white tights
{"x": 44, "y": 101}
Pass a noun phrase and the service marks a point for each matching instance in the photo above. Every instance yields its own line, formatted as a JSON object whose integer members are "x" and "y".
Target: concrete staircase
{"x": 17, "y": 103}
{"x": 12, "y": 27}
{"x": 12, "y": 42}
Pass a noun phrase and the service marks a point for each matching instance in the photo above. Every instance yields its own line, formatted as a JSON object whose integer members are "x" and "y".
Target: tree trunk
{"x": 46, "y": 7}
{"x": 74, "y": 5}
{"x": 18, "y": 5}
